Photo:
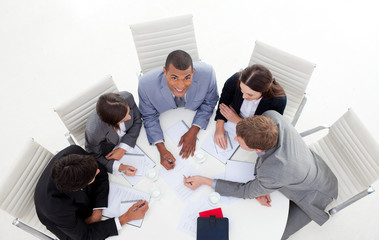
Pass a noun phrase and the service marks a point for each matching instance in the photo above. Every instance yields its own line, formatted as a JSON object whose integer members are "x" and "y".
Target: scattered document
{"x": 238, "y": 171}
{"x": 188, "y": 221}
{"x": 228, "y": 145}
{"x": 176, "y": 131}
{"x": 175, "y": 177}
{"x": 138, "y": 159}
{"x": 222, "y": 154}
{"x": 120, "y": 199}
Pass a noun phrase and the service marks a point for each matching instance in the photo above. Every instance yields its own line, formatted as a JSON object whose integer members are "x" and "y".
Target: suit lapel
{"x": 191, "y": 92}
{"x": 166, "y": 92}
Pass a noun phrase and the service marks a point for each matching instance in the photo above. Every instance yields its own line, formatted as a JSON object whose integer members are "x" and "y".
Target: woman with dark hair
{"x": 112, "y": 129}
{"x": 247, "y": 93}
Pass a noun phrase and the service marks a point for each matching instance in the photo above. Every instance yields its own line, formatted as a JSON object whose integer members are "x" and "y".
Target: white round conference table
{"x": 247, "y": 218}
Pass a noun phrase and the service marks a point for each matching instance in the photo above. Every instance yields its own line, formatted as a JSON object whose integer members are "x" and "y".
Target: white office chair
{"x": 154, "y": 40}
{"x": 17, "y": 195}
{"x": 292, "y": 73}
{"x": 352, "y": 154}
{"x": 74, "y": 113}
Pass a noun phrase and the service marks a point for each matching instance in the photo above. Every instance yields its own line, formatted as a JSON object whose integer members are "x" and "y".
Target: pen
{"x": 186, "y": 177}
{"x": 127, "y": 170}
{"x": 139, "y": 206}
{"x": 129, "y": 201}
{"x": 168, "y": 160}
{"x": 228, "y": 139}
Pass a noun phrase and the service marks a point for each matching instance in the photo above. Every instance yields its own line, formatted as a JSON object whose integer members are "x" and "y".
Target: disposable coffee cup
{"x": 155, "y": 192}
{"x": 151, "y": 174}
{"x": 200, "y": 157}
{"x": 214, "y": 198}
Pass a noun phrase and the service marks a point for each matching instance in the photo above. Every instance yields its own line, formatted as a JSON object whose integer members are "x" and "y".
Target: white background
{"x": 51, "y": 50}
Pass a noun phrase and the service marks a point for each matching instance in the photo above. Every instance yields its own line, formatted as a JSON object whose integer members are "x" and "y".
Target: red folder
{"x": 215, "y": 212}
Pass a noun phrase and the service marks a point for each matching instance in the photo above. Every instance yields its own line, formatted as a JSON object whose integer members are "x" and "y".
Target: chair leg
{"x": 351, "y": 200}
{"x": 31, "y": 230}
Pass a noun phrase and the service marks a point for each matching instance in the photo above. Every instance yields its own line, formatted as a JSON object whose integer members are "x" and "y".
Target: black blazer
{"x": 232, "y": 95}
{"x": 63, "y": 213}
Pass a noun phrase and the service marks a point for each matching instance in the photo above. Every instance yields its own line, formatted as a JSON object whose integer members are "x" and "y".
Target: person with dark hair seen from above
{"x": 71, "y": 195}
{"x": 247, "y": 93}
{"x": 180, "y": 83}
{"x": 112, "y": 129}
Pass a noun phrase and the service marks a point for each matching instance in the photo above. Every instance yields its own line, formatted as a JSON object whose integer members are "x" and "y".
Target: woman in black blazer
{"x": 249, "y": 92}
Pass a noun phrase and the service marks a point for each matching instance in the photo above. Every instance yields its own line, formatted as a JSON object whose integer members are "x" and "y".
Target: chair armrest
{"x": 352, "y": 200}
{"x": 313, "y": 130}
{"x": 70, "y": 138}
{"x": 31, "y": 230}
{"x": 299, "y": 110}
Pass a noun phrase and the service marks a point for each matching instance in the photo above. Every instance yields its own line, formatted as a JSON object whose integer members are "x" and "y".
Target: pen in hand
{"x": 139, "y": 206}
{"x": 130, "y": 201}
{"x": 126, "y": 170}
{"x": 168, "y": 160}
{"x": 186, "y": 177}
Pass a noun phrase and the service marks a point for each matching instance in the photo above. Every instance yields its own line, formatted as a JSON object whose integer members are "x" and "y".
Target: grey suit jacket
{"x": 98, "y": 132}
{"x": 291, "y": 168}
{"x": 155, "y": 98}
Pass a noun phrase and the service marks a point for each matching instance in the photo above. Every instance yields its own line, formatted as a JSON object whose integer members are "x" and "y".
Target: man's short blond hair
{"x": 258, "y": 132}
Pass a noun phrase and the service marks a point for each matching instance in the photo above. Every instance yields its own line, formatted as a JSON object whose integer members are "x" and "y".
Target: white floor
{"x": 52, "y": 50}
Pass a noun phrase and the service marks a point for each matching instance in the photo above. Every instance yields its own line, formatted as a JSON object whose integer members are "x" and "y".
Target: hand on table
{"x": 137, "y": 211}
{"x": 116, "y": 154}
{"x": 219, "y": 137}
{"x": 128, "y": 170}
{"x": 196, "y": 181}
{"x": 167, "y": 159}
{"x": 229, "y": 113}
{"x": 188, "y": 142}
{"x": 264, "y": 200}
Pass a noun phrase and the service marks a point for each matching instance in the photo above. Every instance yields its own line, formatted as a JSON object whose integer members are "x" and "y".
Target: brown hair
{"x": 258, "y": 132}
{"x": 259, "y": 78}
{"x": 73, "y": 172}
{"x": 112, "y": 108}
{"x": 180, "y": 59}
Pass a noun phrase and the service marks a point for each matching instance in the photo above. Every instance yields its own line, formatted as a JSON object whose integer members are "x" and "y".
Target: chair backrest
{"x": 292, "y": 73}
{"x": 154, "y": 40}
{"x": 17, "y": 195}
{"x": 352, "y": 154}
{"x": 74, "y": 113}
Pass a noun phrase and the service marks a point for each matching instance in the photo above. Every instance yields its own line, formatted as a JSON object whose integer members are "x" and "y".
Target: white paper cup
{"x": 214, "y": 198}
{"x": 200, "y": 157}
{"x": 151, "y": 174}
{"x": 155, "y": 192}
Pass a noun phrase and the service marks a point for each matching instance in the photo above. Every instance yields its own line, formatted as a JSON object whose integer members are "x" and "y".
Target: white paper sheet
{"x": 211, "y": 147}
{"x": 176, "y": 131}
{"x": 142, "y": 167}
{"x": 174, "y": 178}
{"x": 118, "y": 193}
{"x": 188, "y": 221}
{"x": 238, "y": 171}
